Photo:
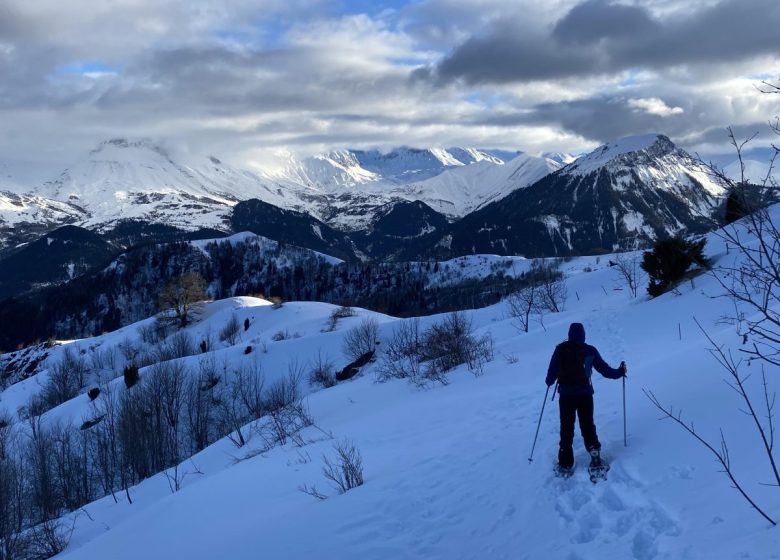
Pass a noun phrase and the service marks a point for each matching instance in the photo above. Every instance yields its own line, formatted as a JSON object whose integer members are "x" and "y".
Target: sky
{"x": 247, "y": 80}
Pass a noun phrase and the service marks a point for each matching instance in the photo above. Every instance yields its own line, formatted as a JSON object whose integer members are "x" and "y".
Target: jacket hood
{"x": 577, "y": 333}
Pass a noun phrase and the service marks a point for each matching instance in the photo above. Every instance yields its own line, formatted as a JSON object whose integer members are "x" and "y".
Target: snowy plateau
{"x": 446, "y": 470}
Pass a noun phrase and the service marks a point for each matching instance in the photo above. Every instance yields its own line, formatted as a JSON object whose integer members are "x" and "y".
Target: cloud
{"x": 599, "y": 37}
{"x": 653, "y": 106}
{"x": 235, "y": 78}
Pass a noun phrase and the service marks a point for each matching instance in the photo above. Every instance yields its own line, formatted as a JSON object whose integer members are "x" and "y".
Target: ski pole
{"x": 531, "y": 458}
{"x": 554, "y": 391}
{"x": 625, "y": 436}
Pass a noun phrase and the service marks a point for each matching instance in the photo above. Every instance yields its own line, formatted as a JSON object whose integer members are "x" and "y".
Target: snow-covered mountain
{"x": 140, "y": 180}
{"x": 23, "y": 217}
{"x": 624, "y": 193}
{"x": 461, "y": 190}
{"x": 333, "y": 171}
{"x": 452, "y": 181}
{"x": 562, "y": 158}
{"x": 445, "y": 469}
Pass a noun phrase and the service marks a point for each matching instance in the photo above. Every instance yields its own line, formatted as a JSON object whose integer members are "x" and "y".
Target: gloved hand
{"x": 549, "y": 383}
{"x": 623, "y": 369}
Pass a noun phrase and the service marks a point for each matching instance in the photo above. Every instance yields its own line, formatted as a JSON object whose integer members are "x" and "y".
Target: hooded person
{"x": 572, "y": 365}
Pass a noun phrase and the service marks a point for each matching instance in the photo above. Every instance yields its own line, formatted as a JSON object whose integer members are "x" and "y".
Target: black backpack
{"x": 571, "y": 364}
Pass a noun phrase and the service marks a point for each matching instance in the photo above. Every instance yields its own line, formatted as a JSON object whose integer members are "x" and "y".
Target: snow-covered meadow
{"x": 446, "y": 467}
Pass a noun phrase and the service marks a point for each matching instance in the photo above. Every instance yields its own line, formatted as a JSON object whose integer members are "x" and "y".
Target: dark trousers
{"x": 572, "y": 406}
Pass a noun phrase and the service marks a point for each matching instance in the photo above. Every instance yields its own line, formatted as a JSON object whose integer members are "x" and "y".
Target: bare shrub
{"x": 129, "y": 351}
{"x": 178, "y": 345}
{"x": 281, "y": 335}
{"x": 345, "y": 471}
{"x": 322, "y": 371}
{"x": 428, "y": 356}
{"x": 402, "y": 355}
{"x": 154, "y": 332}
{"x": 338, "y": 313}
{"x": 451, "y": 343}
{"x": 48, "y": 539}
{"x": 231, "y": 331}
{"x": 362, "y": 339}
{"x": 66, "y": 379}
{"x": 286, "y": 413}
{"x": 240, "y": 402}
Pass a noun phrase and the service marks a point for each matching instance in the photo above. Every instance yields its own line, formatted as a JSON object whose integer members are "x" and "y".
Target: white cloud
{"x": 654, "y": 106}
{"x": 239, "y": 78}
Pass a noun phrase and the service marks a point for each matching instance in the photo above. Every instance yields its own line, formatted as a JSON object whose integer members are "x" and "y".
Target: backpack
{"x": 571, "y": 364}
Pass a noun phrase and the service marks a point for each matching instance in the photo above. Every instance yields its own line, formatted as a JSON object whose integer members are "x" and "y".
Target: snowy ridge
{"x": 446, "y": 470}
{"x": 138, "y": 179}
{"x": 461, "y": 190}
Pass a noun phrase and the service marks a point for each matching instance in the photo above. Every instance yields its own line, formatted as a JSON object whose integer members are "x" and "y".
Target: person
{"x": 571, "y": 366}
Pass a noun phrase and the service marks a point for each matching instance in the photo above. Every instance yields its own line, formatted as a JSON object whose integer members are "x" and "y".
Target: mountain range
{"x": 405, "y": 204}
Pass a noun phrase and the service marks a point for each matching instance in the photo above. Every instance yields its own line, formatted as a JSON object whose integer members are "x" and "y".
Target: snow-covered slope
{"x": 756, "y": 172}
{"x": 23, "y": 216}
{"x": 562, "y": 158}
{"x": 446, "y": 469}
{"x": 346, "y": 188}
{"x": 138, "y": 179}
{"x": 333, "y": 171}
{"x": 461, "y": 190}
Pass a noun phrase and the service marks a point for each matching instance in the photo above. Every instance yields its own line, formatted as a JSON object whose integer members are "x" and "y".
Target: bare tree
{"x": 184, "y": 296}
{"x": 751, "y": 279}
{"x": 721, "y": 454}
{"x": 629, "y": 271}
{"x": 523, "y": 304}
{"x": 552, "y": 288}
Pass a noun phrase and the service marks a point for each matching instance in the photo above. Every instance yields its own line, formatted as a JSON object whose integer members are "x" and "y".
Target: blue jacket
{"x": 592, "y": 360}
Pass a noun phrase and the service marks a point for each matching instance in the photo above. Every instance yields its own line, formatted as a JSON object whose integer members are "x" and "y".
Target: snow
{"x": 608, "y": 152}
{"x": 755, "y": 172}
{"x": 446, "y": 467}
{"x": 461, "y": 190}
{"x": 143, "y": 180}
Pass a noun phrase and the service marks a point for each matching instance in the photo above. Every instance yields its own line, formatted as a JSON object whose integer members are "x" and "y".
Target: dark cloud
{"x": 600, "y": 37}
{"x": 597, "y": 20}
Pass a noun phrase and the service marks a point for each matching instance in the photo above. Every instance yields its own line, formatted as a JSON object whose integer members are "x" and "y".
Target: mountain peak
{"x": 654, "y": 145}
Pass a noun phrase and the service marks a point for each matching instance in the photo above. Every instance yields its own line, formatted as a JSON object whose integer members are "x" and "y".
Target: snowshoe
{"x": 563, "y": 472}
{"x": 598, "y": 468}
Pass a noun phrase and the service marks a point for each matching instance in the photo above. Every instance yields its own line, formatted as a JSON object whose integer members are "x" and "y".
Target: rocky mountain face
{"x": 621, "y": 195}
